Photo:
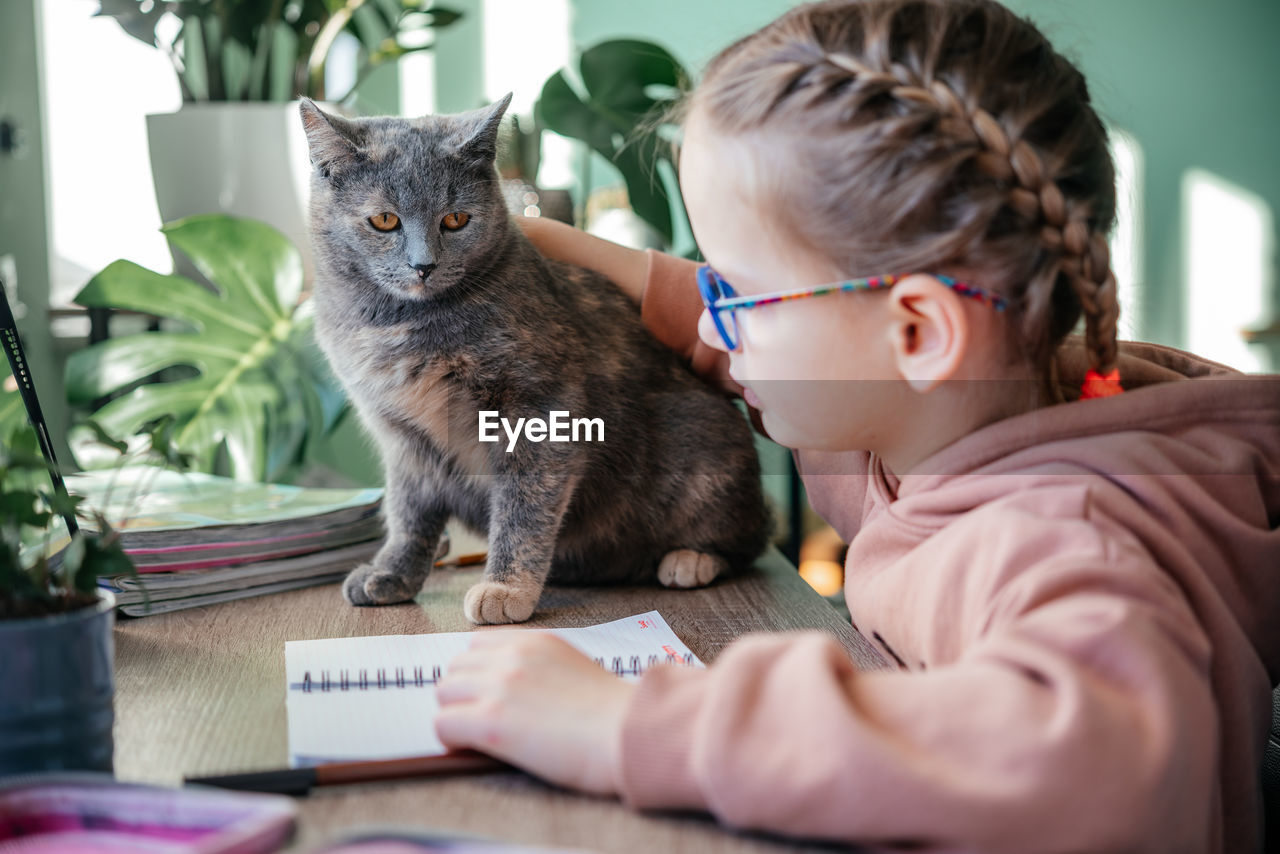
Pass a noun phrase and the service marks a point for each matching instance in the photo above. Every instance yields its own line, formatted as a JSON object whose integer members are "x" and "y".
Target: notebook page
{"x": 374, "y": 697}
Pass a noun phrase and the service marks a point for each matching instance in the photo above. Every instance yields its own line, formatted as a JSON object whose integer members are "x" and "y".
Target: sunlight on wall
{"x": 99, "y": 85}
{"x": 1228, "y": 236}
{"x": 524, "y": 44}
{"x": 1126, "y": 241}
{"x": 340, "y": 65}
{"x": 418, "y": 83}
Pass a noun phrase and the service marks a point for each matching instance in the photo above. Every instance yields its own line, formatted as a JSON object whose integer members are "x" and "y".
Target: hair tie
{"x": 1100, "y": 385}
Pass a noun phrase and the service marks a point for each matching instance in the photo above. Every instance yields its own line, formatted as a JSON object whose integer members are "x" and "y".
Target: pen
{"x": 299, "y": 781}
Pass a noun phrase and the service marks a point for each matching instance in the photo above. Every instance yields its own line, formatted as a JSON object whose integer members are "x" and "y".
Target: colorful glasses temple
{"x": 720, "y": 297}
{"x": 871, "y": 283}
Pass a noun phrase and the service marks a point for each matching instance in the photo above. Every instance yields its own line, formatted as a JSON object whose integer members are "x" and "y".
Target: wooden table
{"x": 202, "y": 692}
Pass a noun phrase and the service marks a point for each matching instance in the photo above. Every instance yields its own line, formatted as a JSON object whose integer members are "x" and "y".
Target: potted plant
{"x": 55, "y": 623}
{"x": 272, "y": 50}
{"x": 236, "y": 145}
{"x": 248, "y": 389}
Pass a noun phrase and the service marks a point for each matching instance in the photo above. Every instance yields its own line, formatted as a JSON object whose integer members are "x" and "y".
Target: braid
{"x": 950, "y": 133}
{"x": 1074, "y": 249}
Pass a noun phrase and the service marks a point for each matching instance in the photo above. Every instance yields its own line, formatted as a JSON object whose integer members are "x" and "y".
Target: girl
{"x": 1079, "y": 594}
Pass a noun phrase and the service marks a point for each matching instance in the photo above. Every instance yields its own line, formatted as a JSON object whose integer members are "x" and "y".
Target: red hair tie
{"x": 1100, "y": 385}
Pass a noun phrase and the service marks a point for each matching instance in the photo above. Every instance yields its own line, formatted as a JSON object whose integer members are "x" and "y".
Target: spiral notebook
{"x": 354, "y": 699}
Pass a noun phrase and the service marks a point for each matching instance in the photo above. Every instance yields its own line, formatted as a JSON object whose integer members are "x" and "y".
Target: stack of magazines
{"x": 197, "y": 539}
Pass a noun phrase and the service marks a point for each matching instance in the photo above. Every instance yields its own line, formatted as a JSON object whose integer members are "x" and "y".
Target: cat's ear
{"x": 330, "y": 138}
{"x": 481, "y": 131}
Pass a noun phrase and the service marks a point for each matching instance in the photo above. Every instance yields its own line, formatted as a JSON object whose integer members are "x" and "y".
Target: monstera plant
{"x": 248, "y": 389}
{"x": 626, "y": 86}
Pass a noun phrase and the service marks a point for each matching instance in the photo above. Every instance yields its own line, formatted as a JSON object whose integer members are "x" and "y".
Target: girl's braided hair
{"x": 927, "y": 135}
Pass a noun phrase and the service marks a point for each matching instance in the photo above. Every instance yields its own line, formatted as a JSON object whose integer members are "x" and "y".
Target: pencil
{"x": 299, "y": 781}
{"x": 22, "y": 376}
{"x": 464, "y": 560}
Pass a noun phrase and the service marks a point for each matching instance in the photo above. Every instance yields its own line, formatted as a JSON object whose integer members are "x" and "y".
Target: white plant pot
{"x": 244, "y": 158}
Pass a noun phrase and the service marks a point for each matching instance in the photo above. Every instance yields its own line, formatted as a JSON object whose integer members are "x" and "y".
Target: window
{"x": 100, "y": 83}
{"x": 1227, "y": 240}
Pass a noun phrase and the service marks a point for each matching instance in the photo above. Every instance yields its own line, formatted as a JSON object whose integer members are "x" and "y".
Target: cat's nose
{"x": 424, "y": 270}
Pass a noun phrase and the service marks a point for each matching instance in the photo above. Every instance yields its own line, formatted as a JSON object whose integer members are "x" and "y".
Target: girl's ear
{"x": 929, "y": 331}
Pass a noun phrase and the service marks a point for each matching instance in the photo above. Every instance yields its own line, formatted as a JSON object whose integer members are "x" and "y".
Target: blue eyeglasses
{"x": 721, "y": 299}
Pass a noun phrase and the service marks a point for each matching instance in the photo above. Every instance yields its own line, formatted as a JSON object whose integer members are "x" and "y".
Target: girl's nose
{"x": 708, "y": 333}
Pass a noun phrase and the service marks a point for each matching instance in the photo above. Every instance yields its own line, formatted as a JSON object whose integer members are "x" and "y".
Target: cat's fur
{"x": 484, "y": 322}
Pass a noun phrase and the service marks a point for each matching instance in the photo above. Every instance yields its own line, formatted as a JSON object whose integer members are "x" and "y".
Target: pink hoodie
{"x": 1082, "y": 602}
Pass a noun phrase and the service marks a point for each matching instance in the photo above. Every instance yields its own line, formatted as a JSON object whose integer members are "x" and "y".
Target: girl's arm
{"x": 1080, "y": 717}
{"x": 628, "y": 268}
{"x": 662, "y": 285}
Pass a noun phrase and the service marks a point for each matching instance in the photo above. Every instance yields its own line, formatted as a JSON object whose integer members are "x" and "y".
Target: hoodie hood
{"x": 1188, "y": 458}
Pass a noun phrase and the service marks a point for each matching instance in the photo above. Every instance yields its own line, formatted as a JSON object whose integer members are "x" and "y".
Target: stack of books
{"x": 197, "y": 539}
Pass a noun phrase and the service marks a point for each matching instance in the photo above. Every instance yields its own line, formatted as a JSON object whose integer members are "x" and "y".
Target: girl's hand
{"x": 531, "y": 699}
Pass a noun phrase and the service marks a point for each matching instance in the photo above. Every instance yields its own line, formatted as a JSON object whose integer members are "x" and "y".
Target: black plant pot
{"x": 56, "y": 689}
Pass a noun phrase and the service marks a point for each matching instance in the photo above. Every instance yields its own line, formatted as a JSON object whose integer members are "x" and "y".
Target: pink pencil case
{"x": 66, "y": 813}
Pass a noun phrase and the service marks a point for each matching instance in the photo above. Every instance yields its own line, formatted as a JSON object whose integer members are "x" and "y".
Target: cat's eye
{"x": 384, "y": 221}
{"x": 455, "y": 221}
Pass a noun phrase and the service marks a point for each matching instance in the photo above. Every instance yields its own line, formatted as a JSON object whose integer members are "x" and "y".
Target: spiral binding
{"x": 343, "y": 680}
{"x": 634, "y": 667}
{"x": 382, "y": 678}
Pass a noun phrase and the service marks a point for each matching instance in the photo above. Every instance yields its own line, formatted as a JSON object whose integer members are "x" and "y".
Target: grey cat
{"x": 433, "y": 307}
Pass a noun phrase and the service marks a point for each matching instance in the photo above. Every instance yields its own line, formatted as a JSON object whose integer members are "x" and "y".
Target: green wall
{"x": 1195, "y": 84}
{"x": 693, "y": 31}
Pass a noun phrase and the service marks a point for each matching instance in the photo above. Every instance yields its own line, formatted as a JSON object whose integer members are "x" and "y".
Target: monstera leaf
{"x": 627, "y": 84}
{"x": 261, "y": 391}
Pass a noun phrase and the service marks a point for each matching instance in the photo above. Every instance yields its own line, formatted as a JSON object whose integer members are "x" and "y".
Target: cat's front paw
{"x": 689, "y": 568}
{"x": 369, "y": 585}
{"x": 497, "y": 602}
